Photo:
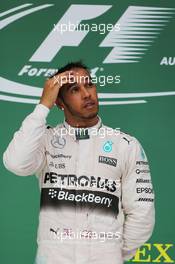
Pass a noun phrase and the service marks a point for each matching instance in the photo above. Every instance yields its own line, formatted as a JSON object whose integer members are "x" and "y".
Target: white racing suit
{"x": 97, "y": 199}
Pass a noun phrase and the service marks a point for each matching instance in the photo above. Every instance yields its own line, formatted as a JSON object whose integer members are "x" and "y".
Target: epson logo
{"x": 107, "y": 160}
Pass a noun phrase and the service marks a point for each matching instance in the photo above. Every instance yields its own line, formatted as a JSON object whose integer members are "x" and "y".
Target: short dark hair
{"x": 72, "y": 65}
{"x": 69, "y": 66}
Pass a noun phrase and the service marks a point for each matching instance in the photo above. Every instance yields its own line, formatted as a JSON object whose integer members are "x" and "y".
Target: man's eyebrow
{"x": 68, "y": 86}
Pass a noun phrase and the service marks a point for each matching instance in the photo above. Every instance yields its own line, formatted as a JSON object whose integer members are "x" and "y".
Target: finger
{"x": 66, "y": 73}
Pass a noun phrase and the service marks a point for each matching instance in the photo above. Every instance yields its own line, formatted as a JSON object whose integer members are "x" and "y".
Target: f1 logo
{"x": 139, "y": 27}
{"x": 55, "y": 40}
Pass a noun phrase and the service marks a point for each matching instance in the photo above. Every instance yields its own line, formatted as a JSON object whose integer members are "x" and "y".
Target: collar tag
{"x": 81, "y": 134}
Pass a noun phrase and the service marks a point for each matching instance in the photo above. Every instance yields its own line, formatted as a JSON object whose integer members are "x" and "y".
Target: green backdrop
{"x": 141, "y": 104}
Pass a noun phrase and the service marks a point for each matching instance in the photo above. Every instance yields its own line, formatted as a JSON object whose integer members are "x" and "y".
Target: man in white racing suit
{"x": 97, "y": 199}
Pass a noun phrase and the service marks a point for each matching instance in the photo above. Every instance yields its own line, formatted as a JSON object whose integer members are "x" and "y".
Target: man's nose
{"x": 84, "y": 92}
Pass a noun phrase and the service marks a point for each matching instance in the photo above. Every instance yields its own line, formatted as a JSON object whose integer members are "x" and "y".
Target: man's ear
{"x": 59, "y": 103}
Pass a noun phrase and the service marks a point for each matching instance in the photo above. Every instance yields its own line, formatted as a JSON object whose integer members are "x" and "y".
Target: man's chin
{"x": 90, "y": 115}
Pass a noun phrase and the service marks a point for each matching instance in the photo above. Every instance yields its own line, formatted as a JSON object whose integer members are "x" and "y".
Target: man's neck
{"x": 83, "y": 122}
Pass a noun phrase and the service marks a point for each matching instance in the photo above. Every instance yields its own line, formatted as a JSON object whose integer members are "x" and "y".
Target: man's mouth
{"x": 89, "y": 104}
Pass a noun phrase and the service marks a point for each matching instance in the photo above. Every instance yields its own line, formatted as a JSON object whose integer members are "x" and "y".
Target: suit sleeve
{"x": 137, "y": 199}
{"x": 25, "y": 154}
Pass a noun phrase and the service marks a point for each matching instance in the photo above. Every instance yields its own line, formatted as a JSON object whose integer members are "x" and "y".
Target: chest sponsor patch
{"x": 107, "y": 160}
{"x": 89, "y": 200}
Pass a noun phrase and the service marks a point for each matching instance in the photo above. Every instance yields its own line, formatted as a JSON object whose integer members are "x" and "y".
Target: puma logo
{"x": 126, "y": 140}
{"x": 52, "y": 230}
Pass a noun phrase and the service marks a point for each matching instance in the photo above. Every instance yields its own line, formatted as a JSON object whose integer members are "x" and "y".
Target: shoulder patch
{"x": 126, "y": 137}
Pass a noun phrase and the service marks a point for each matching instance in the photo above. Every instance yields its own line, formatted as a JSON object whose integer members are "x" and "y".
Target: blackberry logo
{"x": 52, "y": 193}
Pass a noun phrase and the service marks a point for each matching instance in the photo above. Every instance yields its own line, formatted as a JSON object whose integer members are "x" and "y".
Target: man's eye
{"x": 74, "y": 90}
